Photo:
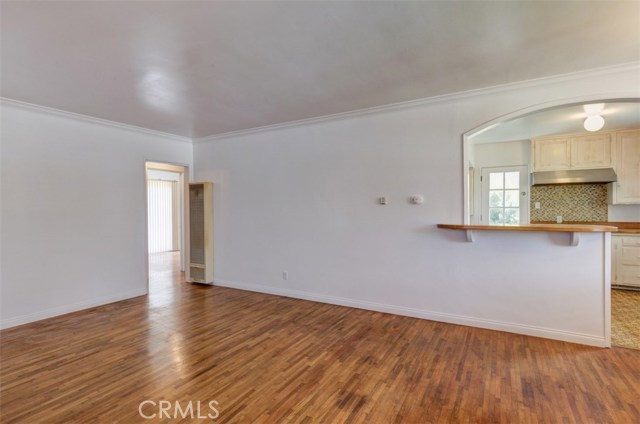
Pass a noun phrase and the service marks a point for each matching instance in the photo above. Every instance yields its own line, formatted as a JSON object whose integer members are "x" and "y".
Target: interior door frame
{"x": 185, "y": 177}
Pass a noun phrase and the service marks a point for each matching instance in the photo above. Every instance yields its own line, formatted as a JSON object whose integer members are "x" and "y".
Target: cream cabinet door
{"x": 627, "y": 189}
{"x": 616, "y": 244}
{"x": 591, "y": 151}
{"x": 551, "y": 154}
{"x": 626, "y": 260}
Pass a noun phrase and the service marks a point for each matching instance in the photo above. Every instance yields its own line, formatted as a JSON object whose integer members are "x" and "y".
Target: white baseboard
{"x": 54, "y": 312}
{"x": 528, "y": 330}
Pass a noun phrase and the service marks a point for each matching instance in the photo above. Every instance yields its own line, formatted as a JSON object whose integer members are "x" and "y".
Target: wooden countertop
{"x": 623, "y": 227}
{"x": 572, "y": 228}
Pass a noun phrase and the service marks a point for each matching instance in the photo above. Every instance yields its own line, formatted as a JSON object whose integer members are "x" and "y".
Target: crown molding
{"x": 336, "y": 116}
{"x": 428, "y": 100}
{"x": 90, "y": 119}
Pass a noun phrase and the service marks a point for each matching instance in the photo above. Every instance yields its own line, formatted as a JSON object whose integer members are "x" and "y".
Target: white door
{"x": 505, "y": 195}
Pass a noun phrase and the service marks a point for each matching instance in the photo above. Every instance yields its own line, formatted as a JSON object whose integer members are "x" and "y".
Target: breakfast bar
{"x": 573, "y": 229}
{"x": 546, "y": 280}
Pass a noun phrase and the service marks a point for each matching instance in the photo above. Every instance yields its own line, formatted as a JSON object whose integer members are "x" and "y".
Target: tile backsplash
{"x": 575, "y": 202}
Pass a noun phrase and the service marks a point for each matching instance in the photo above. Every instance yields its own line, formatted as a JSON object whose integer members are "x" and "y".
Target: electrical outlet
{"x": 536, "y": 205}
{"x": 285, "y": 275}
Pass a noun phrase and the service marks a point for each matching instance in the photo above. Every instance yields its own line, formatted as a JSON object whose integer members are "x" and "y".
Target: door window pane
{"x": 511, "y": 216}
{"x": 512, "y": 198}
{"x": 495, "y": 216}
{"x": 496, "y": 180}
{"x": 496, "y": 198}
{"x": 512, "y": 180}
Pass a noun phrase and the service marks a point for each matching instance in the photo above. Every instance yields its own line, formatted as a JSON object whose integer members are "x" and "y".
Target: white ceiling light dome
{"x": 594, "y": 121}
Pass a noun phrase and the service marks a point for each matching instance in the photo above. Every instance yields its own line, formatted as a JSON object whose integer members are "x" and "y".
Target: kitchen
{"x": 575, "y": 164}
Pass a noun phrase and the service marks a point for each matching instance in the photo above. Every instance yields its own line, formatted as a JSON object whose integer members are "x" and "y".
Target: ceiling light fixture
{"x": 594, "y": 121}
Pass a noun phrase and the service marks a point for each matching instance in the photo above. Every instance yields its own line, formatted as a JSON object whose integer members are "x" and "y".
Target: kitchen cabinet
{"x": 559, "y": 153}
{"x": 551, "y": 153}
{"x": 626, "y": 260}
{"x": 592, "y": 151}
{"x": 627, "y": 150}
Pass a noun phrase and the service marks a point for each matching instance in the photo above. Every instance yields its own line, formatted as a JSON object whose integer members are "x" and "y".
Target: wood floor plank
{"x": 269, "y": 359}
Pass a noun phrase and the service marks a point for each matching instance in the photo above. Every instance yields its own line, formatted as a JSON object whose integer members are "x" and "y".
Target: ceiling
{"x": 562, "y": 120}
{"x": 202, "y": 68}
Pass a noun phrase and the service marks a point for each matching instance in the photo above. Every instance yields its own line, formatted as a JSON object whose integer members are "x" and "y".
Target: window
{"x": 505, "y": 200}
{"x": 163, "y": 212}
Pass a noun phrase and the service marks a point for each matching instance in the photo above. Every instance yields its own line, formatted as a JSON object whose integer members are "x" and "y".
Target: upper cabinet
{"x": 616, "y": 149}
{"x": 558, "y": 153}
{"x": 551, "y": 153}
{"x": 592, "y": 151}
{"x": 627, "y": 189}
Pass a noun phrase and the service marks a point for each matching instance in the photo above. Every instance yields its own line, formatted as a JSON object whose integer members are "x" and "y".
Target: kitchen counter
{"x": 628, "y": 231}
{"x": 527, "y": 275}
{"x": 573, "y": 229}
{"x": 622, "y": 227}
{"x": 567, "y": 228}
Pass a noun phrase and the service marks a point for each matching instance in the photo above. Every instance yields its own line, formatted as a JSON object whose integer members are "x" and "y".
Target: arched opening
{"x": 510, "y": 145}
{"x": 552, "y": 118}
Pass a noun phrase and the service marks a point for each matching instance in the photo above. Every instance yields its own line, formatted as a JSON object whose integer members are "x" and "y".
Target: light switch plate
{"x": 416, "y": 200}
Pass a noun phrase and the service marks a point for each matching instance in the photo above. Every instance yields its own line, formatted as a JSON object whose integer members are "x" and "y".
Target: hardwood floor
{"x": 269, "y": 359}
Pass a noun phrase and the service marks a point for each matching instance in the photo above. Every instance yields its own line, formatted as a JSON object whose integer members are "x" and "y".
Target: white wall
{"x": 503, "y": 154}
{"x": 302, "y": 199}
{"x": 73, "y": 230}
{"x": 496, "y": 154}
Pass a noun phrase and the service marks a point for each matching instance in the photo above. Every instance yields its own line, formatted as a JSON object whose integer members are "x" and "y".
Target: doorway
{"x": 505, "y": 195}
{"x": 165, "y": 224}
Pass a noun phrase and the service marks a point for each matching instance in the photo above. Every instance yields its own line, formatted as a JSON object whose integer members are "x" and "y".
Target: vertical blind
{"x": 163, "y": 209}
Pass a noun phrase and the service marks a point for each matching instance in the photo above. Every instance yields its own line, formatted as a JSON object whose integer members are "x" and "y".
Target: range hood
{"x": 574, "y": 176}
